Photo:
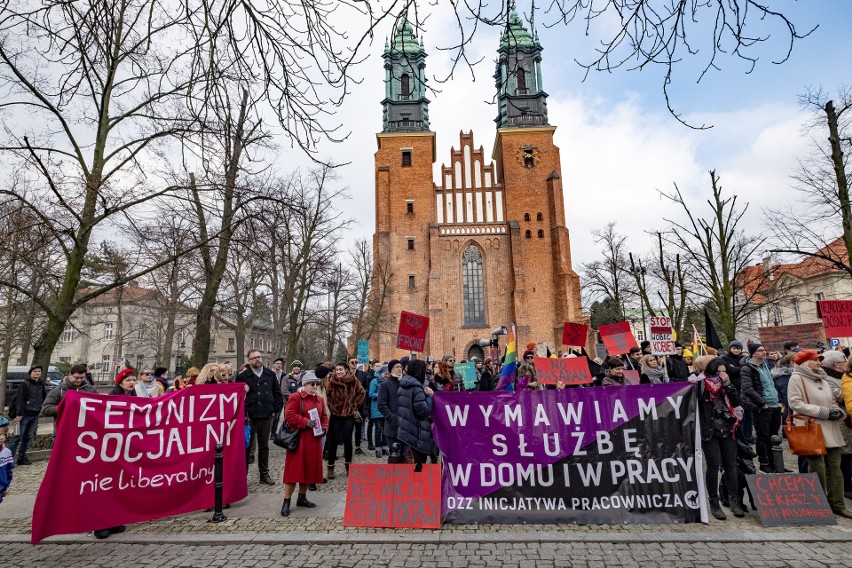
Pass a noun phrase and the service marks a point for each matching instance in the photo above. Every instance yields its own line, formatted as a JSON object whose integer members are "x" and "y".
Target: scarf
{"x": 146, "y": 388}
{"x": 714, "y": 387}
{"x": 654, "y": 375}
{"x": 814, "y": 376}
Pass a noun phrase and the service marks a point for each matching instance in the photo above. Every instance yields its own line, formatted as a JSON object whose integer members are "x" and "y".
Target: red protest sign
{"x": 574, "y": 334}
{"x": 393, "y": 496}
{"x": 790, "y": 499}
{"x": 568, "y": 370}
{"x": 617, "y": 338}
{"x": 632, "y": 377}
{"x": 113, "y": 453}
{"x": 412, "y": 332}
{"x": 836, "y": 317}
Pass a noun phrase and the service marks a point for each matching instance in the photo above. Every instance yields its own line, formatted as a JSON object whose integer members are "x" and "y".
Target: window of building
{"x": 473, "y": 287}
{"x": 528, "y": 234}
{"x": 640, "y": 335}
{"x": 140, "y": 333}
{"x": 68, "y": 334}
{"x": 777, "y": 318}
{"x": 107, "y": 331}
{"x": 405, "y": 87}
{"x": 181, "y": 339}
{"x": 411, "y": 281}
{"x": 819, "y": 296}
{"x": 529, "y": 158}
{"x": 539, "y": 217}
{"x": 410, "y": 243}
{"x": 231, "y": 343}
{"x": 409, "y": 207}
{"x": 527, "y": 217}
{"x": 522, "y": 81}
{"x": 797, "y": 314}
{"x": 540, "y": 234}
{"x": 65, "y": 359}
{"x": 406, "y": 158}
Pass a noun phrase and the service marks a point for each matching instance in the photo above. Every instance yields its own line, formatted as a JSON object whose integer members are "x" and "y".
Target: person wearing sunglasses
{"x": 147, "y": 386}
{"x": 527, "y": 378}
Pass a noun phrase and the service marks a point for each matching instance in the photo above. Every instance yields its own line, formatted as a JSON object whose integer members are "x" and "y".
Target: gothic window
{"x": 539, "y": 217}
{"x": 406, "y": 158}
{"x": 411, "y": 281}
{"x": 410, "y": 243}
{"x": 409, "y": 207}
{"x": 526, "y": 217}
{"x": 405, "y": 91}
{"x": 522, "y": 81}
{"x": 473, "y": 287}
{"x": 528, "y": 234}
{"x": 540, "y": 234}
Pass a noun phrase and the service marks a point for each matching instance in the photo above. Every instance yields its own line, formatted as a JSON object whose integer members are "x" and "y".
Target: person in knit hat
{"x": 760, "y": 396}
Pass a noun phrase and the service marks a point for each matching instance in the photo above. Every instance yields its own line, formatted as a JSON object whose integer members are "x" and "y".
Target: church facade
{"x": 485, "y": 246}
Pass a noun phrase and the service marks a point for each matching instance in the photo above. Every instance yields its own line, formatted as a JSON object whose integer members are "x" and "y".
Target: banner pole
{"x": 218, "y": 516}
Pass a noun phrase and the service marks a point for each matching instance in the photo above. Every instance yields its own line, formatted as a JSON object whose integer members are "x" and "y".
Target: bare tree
{"x": 717, "y": 249}
{"x": 609, "y": 277}
{"x": 668, "y": 284}
{"x": 820, "y": 224}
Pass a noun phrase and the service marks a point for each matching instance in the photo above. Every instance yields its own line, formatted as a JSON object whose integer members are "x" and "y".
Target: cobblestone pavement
{"x": 460, "y": 555}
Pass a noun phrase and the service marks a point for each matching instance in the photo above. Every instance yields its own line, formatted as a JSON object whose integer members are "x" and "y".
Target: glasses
{"x": 529, "y": 357}
{"x": 253, "y": 358}
{"x": 147, "y": 373}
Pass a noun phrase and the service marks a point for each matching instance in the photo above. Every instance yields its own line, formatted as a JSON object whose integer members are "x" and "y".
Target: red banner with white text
{"x": 122, "y": 459}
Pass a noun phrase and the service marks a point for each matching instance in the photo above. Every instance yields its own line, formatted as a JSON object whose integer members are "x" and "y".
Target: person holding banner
{"x": 527, "y": 376}
{"x": 651, "y": 373}
{"x": 413, "y": 410}
{"x": 614, "y": 373}
{"x": 717, "y": 401}
{"x": 305, "y": 411}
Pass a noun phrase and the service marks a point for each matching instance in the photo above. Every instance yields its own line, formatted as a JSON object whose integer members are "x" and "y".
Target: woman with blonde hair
{"x": 224, "y": 374}
{"x": 651, "y": 371}
{"x": 191, "y": 376}
{"x": 207, "y": 375}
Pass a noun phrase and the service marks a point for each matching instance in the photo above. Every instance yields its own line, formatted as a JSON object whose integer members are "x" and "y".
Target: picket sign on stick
{"x": 617, "y": 338}
{"x": 574, "y": 334}
{"x": 662, "y": 335}
{"x": 567, "y": 370}
{"x": 412, "y": 332}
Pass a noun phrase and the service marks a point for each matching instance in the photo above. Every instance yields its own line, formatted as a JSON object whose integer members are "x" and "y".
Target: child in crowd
{"x": 6, "y": 460}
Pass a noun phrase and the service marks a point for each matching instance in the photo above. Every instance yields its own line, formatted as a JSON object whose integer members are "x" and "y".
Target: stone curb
{"x": 437, "y": 537}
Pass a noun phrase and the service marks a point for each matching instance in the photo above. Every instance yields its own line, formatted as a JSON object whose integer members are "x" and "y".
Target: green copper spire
{"x": 404, "y": 40}
{"x": 516, "y": 34}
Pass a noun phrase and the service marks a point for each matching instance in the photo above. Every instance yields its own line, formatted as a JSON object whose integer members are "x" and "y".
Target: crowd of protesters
{"x": 744, "y": 395}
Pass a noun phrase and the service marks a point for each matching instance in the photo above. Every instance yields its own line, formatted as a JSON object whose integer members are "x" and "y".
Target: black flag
{"x": 712, "y": 337}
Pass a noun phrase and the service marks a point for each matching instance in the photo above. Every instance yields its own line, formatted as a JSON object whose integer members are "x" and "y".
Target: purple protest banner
{"x": 609, "y": 455}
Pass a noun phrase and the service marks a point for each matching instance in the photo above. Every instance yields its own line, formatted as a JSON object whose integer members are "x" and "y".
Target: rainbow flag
{"x": 510, "y": 365}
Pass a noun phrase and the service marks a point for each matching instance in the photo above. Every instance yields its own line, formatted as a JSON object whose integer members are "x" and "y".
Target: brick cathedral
{"x": 487, "y": 245}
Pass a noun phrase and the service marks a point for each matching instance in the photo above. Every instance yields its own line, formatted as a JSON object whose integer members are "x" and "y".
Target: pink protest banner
{"x": 836, "y": 317}
{"x": 412, "y": 332}
{"x": 617, "y": 338}
{"x": 567, "y": 370}
{"x": 574, "y": 334}
{"x": 120, "y": 459}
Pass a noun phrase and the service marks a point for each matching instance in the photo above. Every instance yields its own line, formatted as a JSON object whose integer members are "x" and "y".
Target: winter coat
{"x": 414, "y": 408}
{"x": 835, "y": 378}
{"x": 29, "y": 398}
{"x": 781, "y": 377}
{"x": 118, "y": 390}
{"x": 733, "y": 366}
{"x": 154, "y": 389}
{"x": 374, "y": 397}
{"x": 388, "y": 403}
{"x": 677, "y": 368}
{"x": 817, "y": 404}
{"x": 291, "y": 383}
{"x": 705, "y": 406}
{"x": 486, "y": 381}
{"x": 751, "y": 387}
{"x": 846, "y": 391}
{"x": 365, "y": 378}
{"x": 611, "y": 381}
{"x": 263, "y": 398}
{"x": 55, "y": 396}
{"x": 344, "y": 395}
{"x": 304, "y": 465}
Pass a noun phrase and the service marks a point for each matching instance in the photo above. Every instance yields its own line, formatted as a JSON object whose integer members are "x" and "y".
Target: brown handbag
{"x": 806, "y": 440}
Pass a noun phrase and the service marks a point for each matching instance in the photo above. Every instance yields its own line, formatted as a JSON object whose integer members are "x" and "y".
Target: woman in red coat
{"x": 304, "y": 465}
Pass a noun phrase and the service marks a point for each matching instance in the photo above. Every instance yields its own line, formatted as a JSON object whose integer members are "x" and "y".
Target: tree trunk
{"x": 837, "y": 161}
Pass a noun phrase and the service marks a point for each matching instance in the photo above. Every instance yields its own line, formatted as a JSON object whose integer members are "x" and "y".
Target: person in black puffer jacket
{"x": 388, "y": 402}
{"x": 413, "y": 411}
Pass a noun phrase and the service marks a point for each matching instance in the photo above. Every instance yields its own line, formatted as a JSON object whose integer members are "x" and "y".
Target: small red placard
{"x": 574, "y": 334}
{"x": 412, "y": 332}
{"x": 617, "y": 338}
{"x": 393, "y": 496}
{"x": 568, "y": 370}
{"x": 836, "y": 317}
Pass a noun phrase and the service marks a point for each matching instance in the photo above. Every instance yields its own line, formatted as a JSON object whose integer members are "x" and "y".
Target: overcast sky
{"x": 619, "y": 145}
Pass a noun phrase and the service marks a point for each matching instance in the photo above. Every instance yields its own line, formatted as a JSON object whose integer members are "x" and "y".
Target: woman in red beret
{"x": 810, "y": 394}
